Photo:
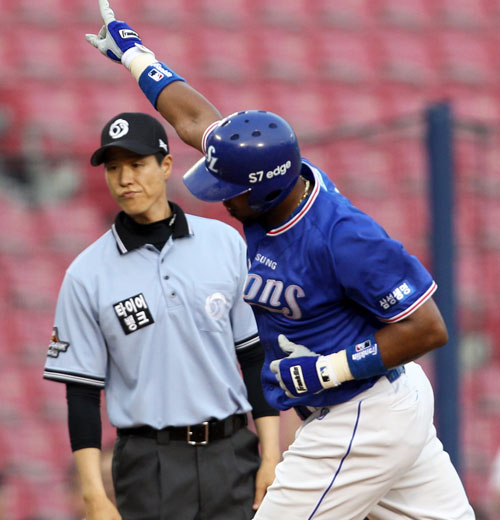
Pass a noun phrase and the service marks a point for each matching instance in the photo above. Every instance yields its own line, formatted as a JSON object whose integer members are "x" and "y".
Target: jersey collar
{"x": 305, "y": 208}
{"x": 128, "y": 241}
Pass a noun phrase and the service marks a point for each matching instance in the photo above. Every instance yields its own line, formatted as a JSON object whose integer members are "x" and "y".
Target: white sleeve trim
{"x": 67, "y": 377}
{"x": 410, "y": 310}
{"x": 247, "y": 342}
{"x": 206, "y": 133}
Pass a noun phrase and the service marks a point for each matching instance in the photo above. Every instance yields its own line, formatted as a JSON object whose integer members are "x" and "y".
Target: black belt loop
{"x": 195, "y": 435}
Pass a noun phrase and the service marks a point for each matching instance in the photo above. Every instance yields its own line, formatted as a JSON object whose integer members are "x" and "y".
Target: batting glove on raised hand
{"x": 116, "y": 40}
{"x": 303, "y": 371}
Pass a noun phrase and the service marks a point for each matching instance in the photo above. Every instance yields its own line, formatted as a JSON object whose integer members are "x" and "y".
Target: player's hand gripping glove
{"x": 117, "y": 40}
{"x": 303, "y": 371}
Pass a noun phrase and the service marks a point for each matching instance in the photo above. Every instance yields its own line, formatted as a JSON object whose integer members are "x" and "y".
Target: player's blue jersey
{"x": 327, "y": 278}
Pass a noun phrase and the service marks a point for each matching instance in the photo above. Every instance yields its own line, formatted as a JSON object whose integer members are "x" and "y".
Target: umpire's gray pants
{"x": 177, "y": 481}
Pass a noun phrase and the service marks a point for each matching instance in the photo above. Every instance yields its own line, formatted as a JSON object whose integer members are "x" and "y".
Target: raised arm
{"x": 182, "y": 106}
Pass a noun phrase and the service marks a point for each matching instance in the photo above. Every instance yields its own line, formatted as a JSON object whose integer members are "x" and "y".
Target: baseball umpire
{"x": 342, "y": 309}
{"x": 153, "y": 313}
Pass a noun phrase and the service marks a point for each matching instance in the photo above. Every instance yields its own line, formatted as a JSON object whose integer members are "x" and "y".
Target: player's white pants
{"x": 376, "y": 456}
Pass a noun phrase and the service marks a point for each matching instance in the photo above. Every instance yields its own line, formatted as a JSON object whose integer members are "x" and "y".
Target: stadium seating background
{"x": 354, "y": 78}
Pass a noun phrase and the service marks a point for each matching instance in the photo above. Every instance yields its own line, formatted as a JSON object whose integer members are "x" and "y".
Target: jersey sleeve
{"x": 77, "y": 350}
{"x": 242, "y": 317}
{"x": 376, "y": 271}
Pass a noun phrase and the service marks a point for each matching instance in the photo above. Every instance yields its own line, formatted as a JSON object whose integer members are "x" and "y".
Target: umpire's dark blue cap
{"x": 134, "y": 131}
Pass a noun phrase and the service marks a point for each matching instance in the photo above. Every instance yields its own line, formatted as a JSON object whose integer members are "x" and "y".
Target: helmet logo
{"x": 118, "y": 129}
{"x": 211, "y": 159}
{"x": 259, "y": 176}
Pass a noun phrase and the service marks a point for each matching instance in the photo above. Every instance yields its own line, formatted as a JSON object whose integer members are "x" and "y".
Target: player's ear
{"x": 166, "y": 166}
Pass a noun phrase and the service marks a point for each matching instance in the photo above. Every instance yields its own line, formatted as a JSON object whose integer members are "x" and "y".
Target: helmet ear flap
{"x": 272, "y": 199}
{"x": 271, "y": 196}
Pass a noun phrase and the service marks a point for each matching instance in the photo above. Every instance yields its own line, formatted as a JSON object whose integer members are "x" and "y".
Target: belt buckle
{"x": 198, "y": 443}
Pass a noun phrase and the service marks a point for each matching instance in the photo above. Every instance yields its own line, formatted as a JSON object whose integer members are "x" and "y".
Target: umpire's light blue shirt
{"x": 158, "y": 330}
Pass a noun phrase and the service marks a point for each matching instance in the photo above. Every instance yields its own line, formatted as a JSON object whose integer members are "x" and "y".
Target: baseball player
{"x": 342, "y": 311}
{"x": 153, "y": 313}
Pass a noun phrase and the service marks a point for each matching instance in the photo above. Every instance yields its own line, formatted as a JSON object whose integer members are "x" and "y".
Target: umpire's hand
{"x": 101, "y": 509}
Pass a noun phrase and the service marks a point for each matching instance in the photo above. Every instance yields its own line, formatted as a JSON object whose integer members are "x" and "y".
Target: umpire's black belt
{"x": 196, "y": 435}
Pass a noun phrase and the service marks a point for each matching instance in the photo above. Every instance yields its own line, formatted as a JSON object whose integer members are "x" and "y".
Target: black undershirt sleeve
{"x": 84, "y": 416}
{"x": 251, "y": 360}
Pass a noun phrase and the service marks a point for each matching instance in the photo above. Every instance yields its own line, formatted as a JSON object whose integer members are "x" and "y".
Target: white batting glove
{"x": 117, "y": 40}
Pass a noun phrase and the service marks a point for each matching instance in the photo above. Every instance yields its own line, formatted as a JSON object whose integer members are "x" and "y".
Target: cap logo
{"x": 163, "y": 144}
{"x": 118, "y": 129}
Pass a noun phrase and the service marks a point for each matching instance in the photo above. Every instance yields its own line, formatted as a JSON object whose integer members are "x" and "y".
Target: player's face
{"x": 238, "y": 208}
{"x": 137, "y": 183}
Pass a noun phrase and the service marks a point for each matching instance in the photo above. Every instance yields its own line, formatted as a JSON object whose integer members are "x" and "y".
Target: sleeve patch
{"x": 399, "y": 294}
{"x": 56, "y": 346}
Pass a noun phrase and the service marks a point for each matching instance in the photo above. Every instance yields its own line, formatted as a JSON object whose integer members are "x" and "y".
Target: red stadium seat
{"x": 410, "y": 15}
{"x": 406, "y": 58}
{"x": 289, "y": 14}
{"x": 465, "y": 59}
{"x": 342, "y": 56}
{"x": 462, "y": 14}
{"x": 174, "y": 14}
{"x": 71, "y": 226}
{"x": 47, "y": 14}
{"x": 352, "y": 15}
{"x": 284, "y": 55}
{"x": 231, "y": 14}
{"x": 225, "y": 55}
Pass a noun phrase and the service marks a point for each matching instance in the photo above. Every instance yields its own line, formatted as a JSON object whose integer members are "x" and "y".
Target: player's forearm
{"x": 268, "y": 433}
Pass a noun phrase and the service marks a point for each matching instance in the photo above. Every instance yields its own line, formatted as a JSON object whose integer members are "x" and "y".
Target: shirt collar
{"x": 303, "y": 208}
{"x": 130, "y": 235}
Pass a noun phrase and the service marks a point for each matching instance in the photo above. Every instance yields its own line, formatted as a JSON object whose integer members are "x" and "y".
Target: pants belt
{"x": 393, "y": 374}
{"x": 197, "y": 434}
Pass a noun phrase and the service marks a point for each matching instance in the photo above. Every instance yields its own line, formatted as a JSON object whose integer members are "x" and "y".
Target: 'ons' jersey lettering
{"x": 274, "y": 296}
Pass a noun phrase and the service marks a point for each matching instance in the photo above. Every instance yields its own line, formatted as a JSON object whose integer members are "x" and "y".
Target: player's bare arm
{"x": 97, "y": 504}
{"x": 187, "y": 111}
{"x": 181, "y": 105}
{"x": 407, "y": 340}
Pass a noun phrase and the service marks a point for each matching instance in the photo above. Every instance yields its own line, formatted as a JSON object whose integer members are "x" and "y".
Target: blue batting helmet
{"x": 255, "y": 151}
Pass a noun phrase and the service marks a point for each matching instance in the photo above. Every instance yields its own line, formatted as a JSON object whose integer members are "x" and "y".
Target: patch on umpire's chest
{"x": 56, "y": 346}
{"x": 133, "y": 313}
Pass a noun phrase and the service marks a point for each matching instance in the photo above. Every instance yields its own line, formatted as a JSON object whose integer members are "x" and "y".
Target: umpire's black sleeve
{"x": 84, "y": 416}
{"x": 251, "y": 360}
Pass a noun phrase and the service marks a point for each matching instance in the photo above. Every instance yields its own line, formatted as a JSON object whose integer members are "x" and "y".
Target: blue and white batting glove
{"x": 302, "y": 371}
{"x": 117, "y": 40}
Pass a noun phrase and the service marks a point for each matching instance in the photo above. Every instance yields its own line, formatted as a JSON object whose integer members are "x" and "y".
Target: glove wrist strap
{"x": 137, "y": 58}
{"x": 333, "y": 369}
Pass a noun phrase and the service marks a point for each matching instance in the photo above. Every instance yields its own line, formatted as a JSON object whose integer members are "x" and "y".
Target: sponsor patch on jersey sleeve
{"x": 399, "y": 294}
{"x": 133, "y": 313}
{"x": 56, "y": 345}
